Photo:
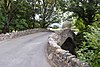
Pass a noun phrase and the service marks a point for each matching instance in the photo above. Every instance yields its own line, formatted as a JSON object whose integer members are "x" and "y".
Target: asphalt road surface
{"x": 25, "y": 51}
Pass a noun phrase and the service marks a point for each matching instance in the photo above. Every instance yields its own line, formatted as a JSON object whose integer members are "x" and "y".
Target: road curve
{"x": 25, "y": 51}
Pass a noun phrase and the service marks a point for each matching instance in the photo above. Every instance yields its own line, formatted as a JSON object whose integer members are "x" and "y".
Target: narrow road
{"x": 25, "y": 51}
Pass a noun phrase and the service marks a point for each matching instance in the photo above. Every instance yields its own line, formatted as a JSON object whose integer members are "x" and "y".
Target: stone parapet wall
{"x": 58, "y": 57}
{"x": 20, "y": 33}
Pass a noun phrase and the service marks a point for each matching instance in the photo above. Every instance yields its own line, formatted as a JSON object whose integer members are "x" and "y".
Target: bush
{"x": 89, "y": 50}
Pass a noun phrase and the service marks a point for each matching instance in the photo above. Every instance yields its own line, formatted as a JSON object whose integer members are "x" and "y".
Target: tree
{"x": 8, "y": 9}
{"x": 85, "y": 10}
{"x": 44, "y": 9}
{"x": 16, "y": 15}
{"x": 22, "y": 14}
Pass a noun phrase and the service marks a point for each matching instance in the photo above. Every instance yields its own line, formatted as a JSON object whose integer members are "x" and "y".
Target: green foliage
{"x": 21, "y": 14}
{"x": 2, "y": 19}
{"x": 80, "y": 24}
{"x": 97, "y": 23}
{"x": 86, "y": 10}
{"x": 89, "y": 50}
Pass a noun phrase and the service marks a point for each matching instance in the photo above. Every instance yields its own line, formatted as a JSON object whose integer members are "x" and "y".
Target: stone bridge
{"x": 55, "y": 53}
{"x": 61, "y": 50}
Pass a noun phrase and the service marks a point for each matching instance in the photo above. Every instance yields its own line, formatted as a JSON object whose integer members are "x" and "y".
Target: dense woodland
{"x": 16, "y": 15}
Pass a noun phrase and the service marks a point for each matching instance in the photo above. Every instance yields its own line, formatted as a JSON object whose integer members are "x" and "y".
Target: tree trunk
{"x": 5, "y": 28}
{"x": 44, "y": 14}
{"x": 8, "y": 14}
{"x": 7, "y": 23}
{"x": 33, "y": 14}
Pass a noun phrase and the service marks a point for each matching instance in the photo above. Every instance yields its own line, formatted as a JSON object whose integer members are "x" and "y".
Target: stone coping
{"x": 21, "y": 33}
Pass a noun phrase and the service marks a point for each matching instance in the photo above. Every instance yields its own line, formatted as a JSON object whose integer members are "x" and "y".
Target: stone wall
{"x": 58, "y": 57}
{"x": 20, "y": 33}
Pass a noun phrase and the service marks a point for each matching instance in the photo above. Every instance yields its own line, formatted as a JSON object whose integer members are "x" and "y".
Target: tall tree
{"x": 32, "y": 4}
{"x": 8, "y": 11}
{"x": 45, "y": 9}
{"x": 84, "y": 9}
